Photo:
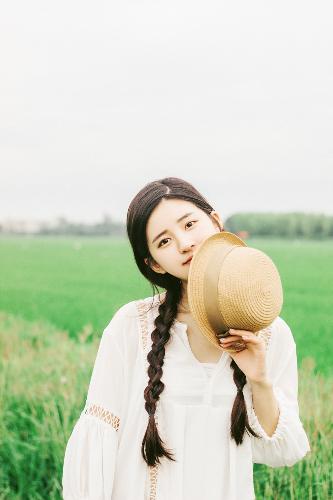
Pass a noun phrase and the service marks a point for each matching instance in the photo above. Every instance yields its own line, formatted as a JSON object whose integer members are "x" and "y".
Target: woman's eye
{"x": 165, "y": 239}
{"x": 189, "y": 222}
{"x": 160, "y": 243}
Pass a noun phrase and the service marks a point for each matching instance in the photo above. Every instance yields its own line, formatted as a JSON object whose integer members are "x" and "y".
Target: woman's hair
{"x": 139, "y": 211}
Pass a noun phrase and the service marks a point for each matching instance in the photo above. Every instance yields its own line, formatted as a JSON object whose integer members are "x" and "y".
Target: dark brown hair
{"x": 139, "y": 211}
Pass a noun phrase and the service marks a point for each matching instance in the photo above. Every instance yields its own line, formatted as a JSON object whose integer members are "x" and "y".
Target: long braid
{"x": 152, "y": 446}
{"x": 239, "y": 417}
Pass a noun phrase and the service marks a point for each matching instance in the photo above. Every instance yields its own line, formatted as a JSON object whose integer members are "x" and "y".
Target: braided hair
{"x": 139, "y": 211}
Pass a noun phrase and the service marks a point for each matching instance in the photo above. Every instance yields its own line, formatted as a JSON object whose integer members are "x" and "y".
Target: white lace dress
{"x": 103, "y": 455}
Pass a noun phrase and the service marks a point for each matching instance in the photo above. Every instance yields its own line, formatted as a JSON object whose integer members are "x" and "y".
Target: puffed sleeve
{"x": 289, "y": 443}
{"x": 91, "y": 451}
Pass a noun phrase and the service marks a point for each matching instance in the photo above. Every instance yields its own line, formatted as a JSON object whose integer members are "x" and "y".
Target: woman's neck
{"x": 183, "y": 306}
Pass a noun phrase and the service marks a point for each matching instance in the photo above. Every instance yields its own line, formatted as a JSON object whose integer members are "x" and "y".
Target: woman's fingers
{"x": 241, "y": 335}
{"x": 253, "y": 339}
{"x": 234, "y": 346}
{"x": 240, "y": 332}
{"x": 229, "y": 339}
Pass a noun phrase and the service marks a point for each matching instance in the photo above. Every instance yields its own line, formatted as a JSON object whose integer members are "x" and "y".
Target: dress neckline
{"x": 182, "y": 329}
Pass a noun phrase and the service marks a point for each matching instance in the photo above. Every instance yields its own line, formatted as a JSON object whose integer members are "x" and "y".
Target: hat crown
{"x": 231, "y": 285}
{"x": 249, "y": 289}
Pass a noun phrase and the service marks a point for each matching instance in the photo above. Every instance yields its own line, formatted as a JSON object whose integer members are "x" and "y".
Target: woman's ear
{"x": 217, "y": 221}
{"x": 153, "y": 265}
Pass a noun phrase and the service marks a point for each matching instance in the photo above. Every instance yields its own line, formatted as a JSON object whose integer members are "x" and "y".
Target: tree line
{"x": 282, "y": 225}
{"x": 255, "y": 224}
{"x": 105, "y": 227}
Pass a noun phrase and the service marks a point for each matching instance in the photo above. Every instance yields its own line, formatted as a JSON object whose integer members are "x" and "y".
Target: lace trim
{"x": 266, "y": 334}
{"x": 143, "y": 309}
{"x": 105, "y": 415}
{"x": 153, "y": 473}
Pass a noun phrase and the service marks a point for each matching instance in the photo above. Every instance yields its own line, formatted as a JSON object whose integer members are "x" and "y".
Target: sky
{"x": 99, "y": 98}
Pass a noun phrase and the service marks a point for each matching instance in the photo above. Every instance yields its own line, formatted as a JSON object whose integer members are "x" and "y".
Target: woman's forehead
{"x": 166, "y": 214}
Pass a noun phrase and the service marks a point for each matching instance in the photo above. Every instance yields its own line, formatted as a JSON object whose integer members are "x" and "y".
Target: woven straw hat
{"x": 231, "y": 285}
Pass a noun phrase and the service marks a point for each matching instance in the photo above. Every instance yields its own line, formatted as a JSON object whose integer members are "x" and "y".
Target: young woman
{"x": 168, "y": 415}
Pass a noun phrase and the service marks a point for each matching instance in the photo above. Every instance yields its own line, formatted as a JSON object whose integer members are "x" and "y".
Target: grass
{"x": 78, "y": 283}
{"x": 57, "y": 295}
{"x": 44, "y": 376}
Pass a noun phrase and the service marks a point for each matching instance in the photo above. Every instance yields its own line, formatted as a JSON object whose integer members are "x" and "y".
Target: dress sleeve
{"x": 289, "y": 443}
{"x": 91, "y": 451}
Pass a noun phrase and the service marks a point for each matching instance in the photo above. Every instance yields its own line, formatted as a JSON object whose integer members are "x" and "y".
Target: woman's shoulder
{"x": 150, "y": 303}
{"x": 282, "y": 331}
{"x": 133, "y": 317}
{"x": 280, "y": 339}
{"x": 136, "y": 307}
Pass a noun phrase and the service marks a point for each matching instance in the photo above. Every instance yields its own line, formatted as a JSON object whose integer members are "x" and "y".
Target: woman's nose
{"x": 185, "y": 245}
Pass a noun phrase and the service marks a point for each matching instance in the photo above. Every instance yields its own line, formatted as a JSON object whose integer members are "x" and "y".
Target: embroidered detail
{"x": 107, "y": 416}
{"x": 266, "y": 334}
{"x": 143, "y": 308}
{"x": 153, "y": 473}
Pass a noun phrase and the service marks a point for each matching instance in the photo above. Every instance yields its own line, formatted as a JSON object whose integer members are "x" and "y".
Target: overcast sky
{"x": 97, "y": 99}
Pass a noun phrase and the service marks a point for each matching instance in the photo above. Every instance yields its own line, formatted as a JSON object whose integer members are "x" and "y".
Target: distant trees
{"x": 63, "y": 227}
{"x": 282, "y": 225}
{"x": 106, "y": 227}
{"x": 279, "y": 225}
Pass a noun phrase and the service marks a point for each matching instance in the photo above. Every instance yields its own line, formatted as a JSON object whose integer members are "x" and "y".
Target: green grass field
{"x": 79, "y": 283}
{"x": 56, "y": 297}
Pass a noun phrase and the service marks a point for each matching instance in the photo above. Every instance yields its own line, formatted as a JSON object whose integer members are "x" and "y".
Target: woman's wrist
{"x": 264, "y": 383}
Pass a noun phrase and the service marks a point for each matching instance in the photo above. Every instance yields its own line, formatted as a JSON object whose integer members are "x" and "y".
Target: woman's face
{"x": 184, "y": 227}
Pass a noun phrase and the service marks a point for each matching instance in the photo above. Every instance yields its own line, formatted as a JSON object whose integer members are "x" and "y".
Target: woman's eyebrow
{"x": 165, "y": 230}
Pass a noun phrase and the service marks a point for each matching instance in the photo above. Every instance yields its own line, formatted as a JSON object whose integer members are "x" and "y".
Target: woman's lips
{"x": 187, "y": 261}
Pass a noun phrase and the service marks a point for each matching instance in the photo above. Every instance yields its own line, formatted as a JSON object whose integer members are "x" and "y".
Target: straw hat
{"x": 231, "y": 285}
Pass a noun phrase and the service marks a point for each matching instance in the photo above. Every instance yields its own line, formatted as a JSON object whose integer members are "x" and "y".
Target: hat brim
{"x": 195, "y": 281}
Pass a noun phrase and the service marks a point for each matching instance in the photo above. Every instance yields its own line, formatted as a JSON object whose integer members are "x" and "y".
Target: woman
{"x": 168, "y": 415}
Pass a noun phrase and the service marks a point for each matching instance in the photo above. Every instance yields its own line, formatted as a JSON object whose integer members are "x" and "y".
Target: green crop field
{"x": 57, "y": 295}
{"x": 79, "y": 283}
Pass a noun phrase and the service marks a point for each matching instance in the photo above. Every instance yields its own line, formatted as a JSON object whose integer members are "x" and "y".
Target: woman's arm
{"x": 265, "y": 405}
{"x": 288, "y": 443}
{"x": 91, "y": 451}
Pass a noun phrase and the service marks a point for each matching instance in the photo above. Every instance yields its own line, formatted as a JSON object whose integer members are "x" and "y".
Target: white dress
{"x": 103, "y": 458}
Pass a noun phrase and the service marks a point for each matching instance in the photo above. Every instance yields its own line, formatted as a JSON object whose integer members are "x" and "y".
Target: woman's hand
{"x": 252, "y": 359}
